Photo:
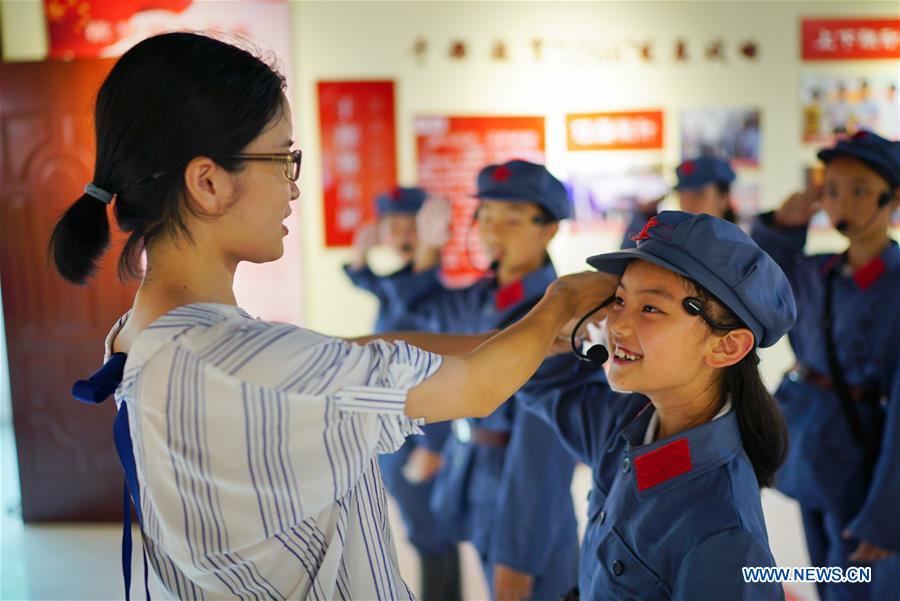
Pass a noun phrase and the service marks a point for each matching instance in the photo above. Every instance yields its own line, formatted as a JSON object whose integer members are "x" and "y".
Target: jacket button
{"x": 626, "y": 465}
{"x": 617, "y": 568}
{"x": 602, "y": 517}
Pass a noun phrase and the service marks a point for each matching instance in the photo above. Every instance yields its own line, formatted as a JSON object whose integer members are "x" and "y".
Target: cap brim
{"x": 616, "y": 262}
{"x": 505, "y": 196}
{"x": 873, "y": 161}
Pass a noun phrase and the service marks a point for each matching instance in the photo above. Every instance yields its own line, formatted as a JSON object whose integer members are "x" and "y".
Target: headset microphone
{"x": 597, "y": 354}
{"x": 884, "y": 199}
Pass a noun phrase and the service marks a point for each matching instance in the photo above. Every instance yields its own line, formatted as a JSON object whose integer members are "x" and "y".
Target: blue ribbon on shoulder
{"x": 95, "y": 390}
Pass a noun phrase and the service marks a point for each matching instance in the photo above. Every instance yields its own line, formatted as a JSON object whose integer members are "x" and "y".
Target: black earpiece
{"x": 885, "y": 198}
{"x": 694, "y": 306}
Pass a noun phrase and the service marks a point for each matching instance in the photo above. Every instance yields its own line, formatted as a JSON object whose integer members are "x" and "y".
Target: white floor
{"x": 82, "y": 562}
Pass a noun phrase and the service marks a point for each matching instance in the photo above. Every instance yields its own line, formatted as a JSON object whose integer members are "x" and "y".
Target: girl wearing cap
{"x": 249, "y": 446}
{"x": 674, "y": 512}
{"x": 842, "y": 398}
{"x": 704, "y": 186}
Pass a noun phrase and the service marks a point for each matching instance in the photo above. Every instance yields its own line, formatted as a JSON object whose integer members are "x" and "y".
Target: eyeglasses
{"x": 291, "y": 161}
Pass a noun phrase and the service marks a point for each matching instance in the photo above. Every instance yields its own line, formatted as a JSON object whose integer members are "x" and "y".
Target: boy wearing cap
{"x": 677, "y": 463}
{"x": 842, "y": 398}
{"x": 409, "y": 472}
{"x": 505, "y": 485}
{"x": 704, "y": 186}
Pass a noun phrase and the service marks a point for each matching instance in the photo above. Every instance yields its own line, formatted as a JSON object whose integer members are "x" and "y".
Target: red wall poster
{"x": 624, "y": 130}
{"x": 842, "y": 39}
{"x": 451, "y": 152}
{"x": 106, "y": 28}
{"x": 356, "y": 121}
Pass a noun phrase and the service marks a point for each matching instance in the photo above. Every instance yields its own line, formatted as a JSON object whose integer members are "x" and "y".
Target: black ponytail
{"x": 763, "y": 429}
{"x": 80, "y": 238}
{"x": 169, "y": 99}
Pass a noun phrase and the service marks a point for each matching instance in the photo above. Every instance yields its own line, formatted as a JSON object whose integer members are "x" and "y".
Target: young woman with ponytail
{"x": 249, "y": 446}
{"x": 678, "y": 462}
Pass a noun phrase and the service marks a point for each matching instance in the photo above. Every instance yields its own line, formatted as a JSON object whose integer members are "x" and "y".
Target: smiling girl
{"x": 674, "y": 511}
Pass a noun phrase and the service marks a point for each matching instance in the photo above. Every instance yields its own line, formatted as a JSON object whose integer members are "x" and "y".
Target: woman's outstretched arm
{"x": 476, "y": 383}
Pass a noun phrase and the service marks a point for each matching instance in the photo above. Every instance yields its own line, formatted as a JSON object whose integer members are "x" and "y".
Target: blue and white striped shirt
{"x": 255, "y": 447}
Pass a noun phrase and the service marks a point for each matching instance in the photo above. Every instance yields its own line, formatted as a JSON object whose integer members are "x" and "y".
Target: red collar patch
{"x": 509, "y": 295}
{"x": 645, "y": 232}
{"x": 501, "y": 174}
{"x": 869, "y": 273}
{"x": 663, "y": 464}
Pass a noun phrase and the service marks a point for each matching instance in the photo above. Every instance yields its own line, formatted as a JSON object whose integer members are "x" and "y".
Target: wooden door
{"x": 68, "y": 467}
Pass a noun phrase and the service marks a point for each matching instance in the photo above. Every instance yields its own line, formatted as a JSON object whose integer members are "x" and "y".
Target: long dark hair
{"x": 763, "y": 429}
{"x": 169, "y": 99}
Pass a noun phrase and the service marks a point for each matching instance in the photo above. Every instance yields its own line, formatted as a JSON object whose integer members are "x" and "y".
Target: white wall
{"x": 374, "y": 40}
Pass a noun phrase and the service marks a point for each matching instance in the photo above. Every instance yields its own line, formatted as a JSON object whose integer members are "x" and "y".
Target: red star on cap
{"x": 396, "y": 193}
{"x": 645, "y": 233}
{"x": 688, "y": 167}
{"x": 501, "y": 174}
{"x": 860, "y": 135}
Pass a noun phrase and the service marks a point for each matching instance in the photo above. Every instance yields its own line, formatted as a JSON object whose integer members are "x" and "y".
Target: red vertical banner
{"x": 356, "y": 124}
{"x": 451, "y": 152}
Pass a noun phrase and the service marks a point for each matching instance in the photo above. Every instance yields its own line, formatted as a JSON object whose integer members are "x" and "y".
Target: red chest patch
{"x": 868, "y": 274}
{"x": 663, "y": 464}
{"x": 509, "y": 295}
{"x": 644, "y": 234}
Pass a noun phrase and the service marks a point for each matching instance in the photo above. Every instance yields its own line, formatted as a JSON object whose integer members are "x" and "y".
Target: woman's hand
{"x": 799, "y": 208}
{"x": 583, "y": 292}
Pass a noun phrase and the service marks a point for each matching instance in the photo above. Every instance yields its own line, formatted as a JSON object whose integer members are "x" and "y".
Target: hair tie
{"x": 98, "y": 193}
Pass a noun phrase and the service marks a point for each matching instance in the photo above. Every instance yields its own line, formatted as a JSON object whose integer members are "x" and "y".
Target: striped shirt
{"x": 255, "y": 447}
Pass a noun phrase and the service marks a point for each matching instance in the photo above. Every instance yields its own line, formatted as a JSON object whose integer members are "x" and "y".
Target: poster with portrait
{"x": 836, "y": 104}
{"x": 607, "y": 189}
{"x": 731, "y": 133}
